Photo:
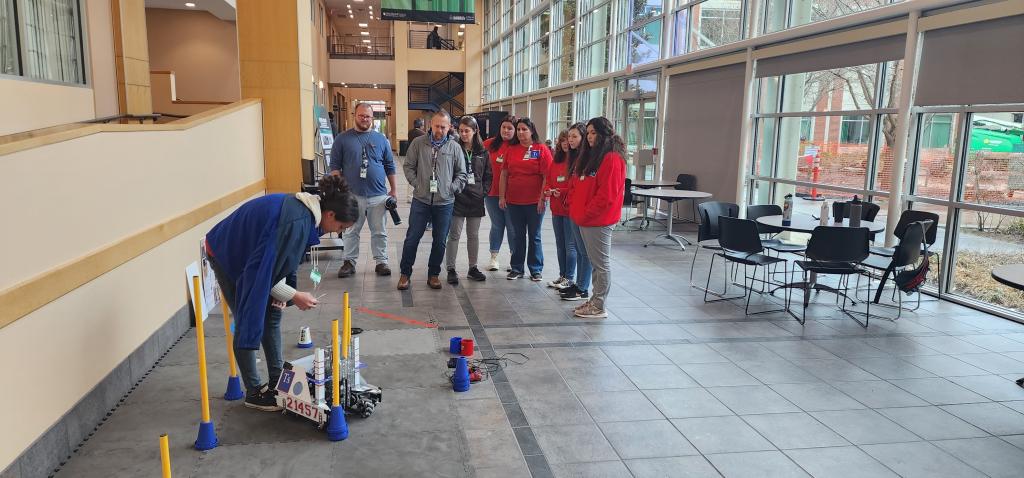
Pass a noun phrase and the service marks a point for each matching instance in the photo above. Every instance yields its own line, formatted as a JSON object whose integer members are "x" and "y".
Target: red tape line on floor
{"x": 384, "y": 315}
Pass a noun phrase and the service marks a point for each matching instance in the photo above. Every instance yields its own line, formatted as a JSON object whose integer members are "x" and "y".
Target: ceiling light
{"x": 374, "y": 85}
{"x": 462, "y": 27}
{"x": 349, "y": 6}
{"x": 366, "y": 41}
{"x": 362, "y": 25}
{"x": 371, "y": 7}
{"x": 321, "y": 84}
{"x": 365, "y": 34}
{"x": 460, "y": 33}
{"x": 190, "y": 5}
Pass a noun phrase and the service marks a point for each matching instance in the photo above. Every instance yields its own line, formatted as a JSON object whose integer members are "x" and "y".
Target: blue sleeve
{"x": 253, "y": 295}
{"x": 336, "y": 159}
{"x": 388, "y": 158}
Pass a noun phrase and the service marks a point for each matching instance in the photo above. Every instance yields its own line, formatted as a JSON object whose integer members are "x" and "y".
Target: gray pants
{"x": 371, "y": 210}
{"x": 472, "y": 239}
{"x": 598, "y": 242}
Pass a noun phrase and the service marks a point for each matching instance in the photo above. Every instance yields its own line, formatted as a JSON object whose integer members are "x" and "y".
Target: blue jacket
{"x": 259, "y": 244}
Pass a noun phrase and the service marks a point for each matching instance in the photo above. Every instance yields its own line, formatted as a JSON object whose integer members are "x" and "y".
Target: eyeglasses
{"x": 364, "y": 116}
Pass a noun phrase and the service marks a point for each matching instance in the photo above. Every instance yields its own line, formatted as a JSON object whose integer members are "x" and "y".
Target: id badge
{"x": 362, "y": 173}
{"x": 433, "y": 185}
{"x": 560, "y": 179}
{"x": 501, "y": 159}
{"x": 471, "y": 179}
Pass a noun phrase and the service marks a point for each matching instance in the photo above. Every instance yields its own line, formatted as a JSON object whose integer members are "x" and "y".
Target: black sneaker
{"x": 536, "y": 277}
{"x": 453, "y": 277}
{"x": 475, "y": 274}
{"x": 573, "y": 293}
{"x": 514, "y": 275}
{"x": 265, "y": 400}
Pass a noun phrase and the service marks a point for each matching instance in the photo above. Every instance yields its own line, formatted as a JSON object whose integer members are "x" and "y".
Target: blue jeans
{"x": 583, "y": 268}
{"x": 565, "y": 243}
{"x": 525, "y": 224}
{"x": 271, "y": 341}
{"x": 499, "y": 223}
{"x": 420, "y": 214}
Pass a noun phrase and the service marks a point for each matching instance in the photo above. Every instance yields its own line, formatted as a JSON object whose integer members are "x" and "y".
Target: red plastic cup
{"x": 467, "y": 347}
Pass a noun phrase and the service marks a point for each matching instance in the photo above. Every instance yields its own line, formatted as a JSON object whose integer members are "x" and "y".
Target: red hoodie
{"x": 495, "y": 165}
{"x": 596, "y": 200}
{"x": 558, "y": 178}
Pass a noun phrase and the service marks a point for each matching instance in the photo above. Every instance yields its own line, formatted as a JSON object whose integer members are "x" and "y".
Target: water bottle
{"x": 823, "y": 215}
{"x": 856, "y": 208}
{"x": 787, "y": 210}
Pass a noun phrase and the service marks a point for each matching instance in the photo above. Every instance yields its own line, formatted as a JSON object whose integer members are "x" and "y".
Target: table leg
{"x": 668, "y": 234}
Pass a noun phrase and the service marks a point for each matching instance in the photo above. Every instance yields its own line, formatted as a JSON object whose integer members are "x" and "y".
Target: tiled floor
{"x": 666, "y": 386}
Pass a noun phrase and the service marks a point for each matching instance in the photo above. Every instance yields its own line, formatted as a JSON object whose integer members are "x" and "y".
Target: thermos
{"x": 787, "y": 210}
{"x": 823, "y": 215}
{"x": 855, "y": 211}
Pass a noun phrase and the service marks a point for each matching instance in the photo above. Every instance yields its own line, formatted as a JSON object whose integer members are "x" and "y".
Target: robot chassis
{"x": 305, "y": 382}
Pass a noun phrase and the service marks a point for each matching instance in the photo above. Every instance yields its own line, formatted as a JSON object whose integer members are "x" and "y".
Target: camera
{"x": 392, "y": 206}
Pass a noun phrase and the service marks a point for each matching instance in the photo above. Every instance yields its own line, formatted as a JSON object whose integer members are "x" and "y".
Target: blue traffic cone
{"x": 460, "y": 381}
{"x": 234, "y": 391}
{"x": 337, "y": 427}
{"x": 207, "y": 439}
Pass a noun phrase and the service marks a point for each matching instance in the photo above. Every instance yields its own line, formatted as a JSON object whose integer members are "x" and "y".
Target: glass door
{"x": 640, "y": 126}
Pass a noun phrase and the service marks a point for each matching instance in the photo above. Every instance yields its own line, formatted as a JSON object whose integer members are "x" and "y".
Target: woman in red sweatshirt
{"x": 595, "y": 204}
{"x": 498, "y": 147}
{"x": 557, "y": 185}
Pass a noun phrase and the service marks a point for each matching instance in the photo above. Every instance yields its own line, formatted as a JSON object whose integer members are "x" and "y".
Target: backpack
{"x": 910, "y": 280}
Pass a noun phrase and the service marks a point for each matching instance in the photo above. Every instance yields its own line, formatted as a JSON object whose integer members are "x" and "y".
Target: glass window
{"x": 717, "y": 22}
{"x": 984, "y": 241}
{"x": 596, "y": 25}
{"x": 936, "y": 155}
{"x": 50, "y": 40}
{"x": 645, "y": 9}
{"x": 853, "y": 130}
{"x": 8, "y": 40}
{"x": 564, "y": 13}
{"x": 590, "y": 104}
{"x": 994, "y": 168}
{"x": 681, "y": 34}
{"x": 594, "y": 59}
{"x": 802, "y": 12}
{"x": 560, "y": 118}
{"x": 645, "y": 43}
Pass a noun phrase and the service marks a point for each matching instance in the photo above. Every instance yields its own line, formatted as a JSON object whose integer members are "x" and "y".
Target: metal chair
{"x": 868, "y": 211}
{"x": 907, "y": 253}
{"x": 707, "y": 230}
{"x": 762, "y": 210}
{"x": 907, "y": 218}
{"x": 740, "y": 243}
{"x": 687, "y": 182}
{"x": 630, "y": 201}
{"x": 832, "y": 250}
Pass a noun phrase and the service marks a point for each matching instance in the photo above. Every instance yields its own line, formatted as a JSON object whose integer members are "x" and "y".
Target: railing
{"x": 378, "y": 48}
{"x": 418, "y": 39}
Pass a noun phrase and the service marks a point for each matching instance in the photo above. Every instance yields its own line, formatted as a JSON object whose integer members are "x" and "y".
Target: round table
{"x": 655, "y": 184}
{"x": 647, "y": 202}
{"x": 806, "y": 223}
{"x": 671, "y": 196}
{"x": 1011, "y": 275}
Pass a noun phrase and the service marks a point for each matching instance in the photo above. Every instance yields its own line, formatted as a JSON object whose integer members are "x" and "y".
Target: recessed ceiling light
{"x": 460, "y": 33}
{"x": 321, "y": 84}
{"x": 365, "y": 34}
{"x": 190, "y": 5}
{"x": 462, "y": 27}
{"x": 362, "y": 25}
{"x": 366, "y": 41}
{"x": 349, "y": 6}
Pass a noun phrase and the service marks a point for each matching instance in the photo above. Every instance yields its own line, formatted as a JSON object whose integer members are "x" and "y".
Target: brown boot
{"x": 403, "y": 282}
{"x": 383, "y": 270}
{"x": 347, "y": 269}
{"x": 434, "y": 282}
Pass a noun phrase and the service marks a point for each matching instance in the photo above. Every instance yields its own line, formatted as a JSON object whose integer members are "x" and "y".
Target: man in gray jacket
{"x": 434, "y": 168}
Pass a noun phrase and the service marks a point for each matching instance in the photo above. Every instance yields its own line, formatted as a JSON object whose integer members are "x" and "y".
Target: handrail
{"x": 354, "y": 47}
{"x": 55, "y": 134}
{"x": 418, "y": 39}
{"x": 139, "y": 118}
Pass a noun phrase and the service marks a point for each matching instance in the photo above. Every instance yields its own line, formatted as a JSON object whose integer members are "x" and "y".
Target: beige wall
{"x": 29, "y": 105}
{"x": 162, "y": 84}
{"x": 201, "y": 49}
{"x": 100, "y": 187}
{"x": 101, "y": 57}
{"x": 365, "y": 72}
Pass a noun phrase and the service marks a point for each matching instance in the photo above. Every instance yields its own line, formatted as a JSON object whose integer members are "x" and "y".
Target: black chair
{"x": 687, "y": 182}
{"x": 740, "y": 243}
{"x": 630, "y": 201}
{"x": 833, "y": 250}
{"x": 907, "y": 253}
{"x": 707, "y": 230}
{"x": 868, "y": 210}
{"x": 907, "y": 218}
{"x": 762, "y": 210}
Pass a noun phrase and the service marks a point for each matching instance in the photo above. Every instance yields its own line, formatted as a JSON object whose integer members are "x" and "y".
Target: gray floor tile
{"x": 949, "y": 345}
{"x": 619, "y": 406}
{"x": 646, "y": 439}
{"x": 840, "y": 462}
{"x": 721, "y": 435}
{"x": 944, "y": 365}
{"x": 1016, "y": 405}
{"x": 920, "y": 460}
{"x": 400, "y": 453}
{"x": 517, "y": 335}
{"x": 559, "y": 334}
{"x": 1015, "y": 440}
{"x": 932, "y": 423}
{"x": 993, "y": 362}
{"x": 990, "y": 455}
{"x": 900, "y": 346}
{"x": 994, "y": 343}
{"x": 991, "y": 417}
{"x": 597, "y": 379}
{"x": 794, "y": 430}
{"x": 661, "y": 332}
{"x": 992, "y": 387}
{"x": 816, "y": 397}
{"x": 687, "y": 403}
{"x": 481, "y": 414}
{"x": 798, "y": 349}
{"x": 611, "y": 333}
{"x": 578, "y": 357}
{"x": 756, "y": 465}
{"x": 518, "y": 471}
{"x": 602, "y": 469}
{"x": 650, "y": 377}
{"x": 493, "y": 448}
{"x": 777, "y": 371}
{"x": 878, "y": 394}
{"x": 635, "y": 355}
{"x": 834, "y": 369}
{"x": 850, "y": 348}
{"x": 744, "y": 351}
{"x": 744, "y": 400}
{"x": 555, "y": 410}
{"x": 276, "y": 459}
{"x": 938, "y": 391}
{"x": 862, "y": 427}
{"x": 537, "y": 382}
{"x": 574, "y": 444}
{"x": 718, "y": 374}
{"x": 676, "y": 467}
{"x": 890, "y": 367}
{"x": 691, "y": 353}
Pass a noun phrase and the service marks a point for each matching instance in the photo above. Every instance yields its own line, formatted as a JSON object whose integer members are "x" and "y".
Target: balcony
{"x": 364, "y": 47}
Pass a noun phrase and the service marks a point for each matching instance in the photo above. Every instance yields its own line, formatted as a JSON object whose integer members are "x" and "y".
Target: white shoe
{"x": 493, "y": 265}
{"x": 559, "y": 283}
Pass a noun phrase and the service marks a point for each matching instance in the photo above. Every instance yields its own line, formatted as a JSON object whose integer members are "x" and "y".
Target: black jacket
{"x": 470, "y": 202}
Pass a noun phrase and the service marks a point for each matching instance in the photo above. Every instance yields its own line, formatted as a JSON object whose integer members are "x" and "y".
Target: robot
{"x": 306, "y": 381}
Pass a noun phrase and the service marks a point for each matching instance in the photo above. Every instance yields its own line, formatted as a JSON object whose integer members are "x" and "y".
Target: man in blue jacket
{"x": 363, "y": 157}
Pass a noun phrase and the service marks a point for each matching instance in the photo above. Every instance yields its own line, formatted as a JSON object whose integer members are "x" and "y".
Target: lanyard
{"x": 433, "y": 169}
{"x": 469, "y": 163}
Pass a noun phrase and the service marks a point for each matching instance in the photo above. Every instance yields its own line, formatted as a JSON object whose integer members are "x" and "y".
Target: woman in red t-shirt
{"x": 556, "y": 187}
{"x": 595, "y": 204}
{"x": 521, "y": 193}
{"x": 498, "y": 147}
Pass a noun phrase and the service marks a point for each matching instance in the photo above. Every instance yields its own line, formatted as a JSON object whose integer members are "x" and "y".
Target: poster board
{"x": 431, "y": 11}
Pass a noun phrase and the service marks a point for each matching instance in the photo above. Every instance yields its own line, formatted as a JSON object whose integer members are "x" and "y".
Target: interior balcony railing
{"x": 421, "y": 39}
{"x": 365, "y": 47}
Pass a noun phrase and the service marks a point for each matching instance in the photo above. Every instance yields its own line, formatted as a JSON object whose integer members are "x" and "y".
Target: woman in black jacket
{"x": 469, "y": 204}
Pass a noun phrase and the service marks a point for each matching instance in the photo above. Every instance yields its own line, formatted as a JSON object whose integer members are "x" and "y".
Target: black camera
{"x": 392, "y": 206}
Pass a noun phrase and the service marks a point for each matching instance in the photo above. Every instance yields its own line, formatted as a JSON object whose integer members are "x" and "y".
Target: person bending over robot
{"x": 255, "y": 253}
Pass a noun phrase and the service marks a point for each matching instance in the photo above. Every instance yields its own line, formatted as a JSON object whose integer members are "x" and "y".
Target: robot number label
{"x": 305, "y": 409}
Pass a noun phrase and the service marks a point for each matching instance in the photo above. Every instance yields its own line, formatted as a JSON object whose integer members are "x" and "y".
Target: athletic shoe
{"x": 453, "y": 277}
{"x": 573, "y": 293}
{"x": 475, "y": 274}
{"x": 559, "y": 283}
{"x": 514, "y": 275}
{"x": 493, "y": 265}
{"x": 536, "y": 277}
{"x": 591, "y": 311}
{"x": 264, "y": 400}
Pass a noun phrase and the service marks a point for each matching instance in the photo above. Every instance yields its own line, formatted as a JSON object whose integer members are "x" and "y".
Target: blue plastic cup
{"x": 455, "y": 345}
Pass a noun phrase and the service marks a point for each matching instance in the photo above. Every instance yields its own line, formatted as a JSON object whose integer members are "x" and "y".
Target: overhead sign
{"x": 433, "y": 11}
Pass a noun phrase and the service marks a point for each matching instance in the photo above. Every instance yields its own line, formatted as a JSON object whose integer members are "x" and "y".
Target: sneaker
{"x": 453, "y": 277}
{"x": 347, "y": 269}
{"x": 559, "y": 283}
{"x": 591, "y": 311}
{"x": 536, "y": 277}
{"x": 475, "y": 274}
{"x": 265, "y": 400}
{"x": 573, "y": 293}
{"x": 383, "y": 269}
{"x": 514, "y": 275}
{"x": 493, "y": 265}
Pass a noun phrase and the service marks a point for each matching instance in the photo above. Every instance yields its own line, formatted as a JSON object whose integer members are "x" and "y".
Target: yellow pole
{"x": 335, "y": 365}
{"x": 229, "y": 340}
{"x": 347, "y": 333}
{"x": 204, "y": 392}
{"x": 165, "y": 456}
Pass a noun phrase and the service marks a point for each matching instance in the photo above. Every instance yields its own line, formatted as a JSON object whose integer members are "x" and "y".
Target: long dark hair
{"x": 561, "y": 156}
{"x": 476, "y": 145}
{"x": 575, "y": 155}
{"x": 498, "y": 141}
{"x": 607, "y": 142}
{"x": 335, "y": 196}
{"x": 533, "y": 132}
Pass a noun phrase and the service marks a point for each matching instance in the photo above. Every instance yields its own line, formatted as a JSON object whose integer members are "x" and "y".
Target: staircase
{"x": 439, "y": 94}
